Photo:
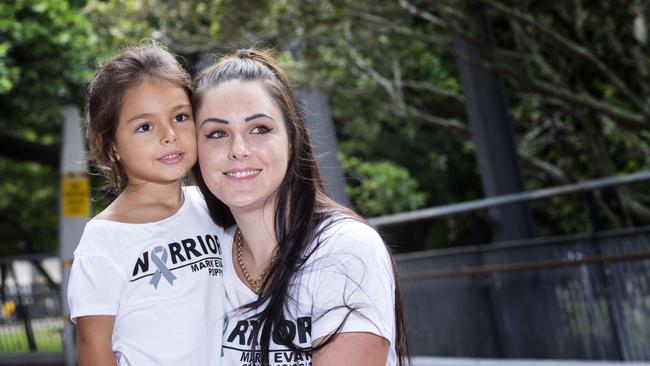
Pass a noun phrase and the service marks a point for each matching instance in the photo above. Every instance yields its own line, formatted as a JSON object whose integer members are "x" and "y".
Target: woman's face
{"x": 243, "y": 145}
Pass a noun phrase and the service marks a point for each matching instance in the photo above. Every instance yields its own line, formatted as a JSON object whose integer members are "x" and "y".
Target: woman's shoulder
{"x": 347, "y": 234}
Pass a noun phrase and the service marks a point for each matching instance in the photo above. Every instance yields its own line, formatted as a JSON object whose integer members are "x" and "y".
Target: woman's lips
{"x": 242, "y": 174}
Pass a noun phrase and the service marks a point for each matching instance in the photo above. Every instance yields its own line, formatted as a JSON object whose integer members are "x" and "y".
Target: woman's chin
{"x": 243, "y": 204}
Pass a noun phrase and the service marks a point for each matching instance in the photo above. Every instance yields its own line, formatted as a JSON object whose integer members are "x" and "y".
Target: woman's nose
{"x": 239, "y": 149}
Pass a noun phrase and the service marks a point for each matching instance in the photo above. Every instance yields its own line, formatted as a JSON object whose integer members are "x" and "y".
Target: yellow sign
{"x": 75, "y": 195}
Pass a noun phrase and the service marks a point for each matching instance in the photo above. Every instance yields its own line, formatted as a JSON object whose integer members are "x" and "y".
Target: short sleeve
{"x": 354, "y": 286}
{"x": 95, "y": 286}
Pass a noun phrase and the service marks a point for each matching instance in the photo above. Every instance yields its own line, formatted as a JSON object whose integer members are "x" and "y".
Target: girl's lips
{"x": 171, "y": 158}
{"x": 242, "y": 174}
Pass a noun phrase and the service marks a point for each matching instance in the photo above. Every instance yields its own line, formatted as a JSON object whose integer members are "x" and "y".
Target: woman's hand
{"x": 352, "y": 349}
{"x": 94, "y": 340}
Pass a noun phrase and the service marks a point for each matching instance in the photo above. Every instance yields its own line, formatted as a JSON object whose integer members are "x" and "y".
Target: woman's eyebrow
{"x": 213, "y": 119}
{"x": 258, "y": 115}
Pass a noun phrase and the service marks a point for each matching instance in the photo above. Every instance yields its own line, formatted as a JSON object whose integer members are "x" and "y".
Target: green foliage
{"x": 47, "y": 54}
{"x": 390, "y": 72}
{"x": 379, "y": 188}
{"x": 28, "y": 207}
{"x": 46, "y": 57}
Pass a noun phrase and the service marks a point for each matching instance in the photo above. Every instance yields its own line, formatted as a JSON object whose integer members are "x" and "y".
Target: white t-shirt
{"x": 351, "y": 267}
{"x": 163, "y": 282}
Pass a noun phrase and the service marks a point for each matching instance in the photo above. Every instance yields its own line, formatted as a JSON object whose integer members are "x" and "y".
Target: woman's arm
{"x": 94, "y": 340}
{"x": 355, "y": 348}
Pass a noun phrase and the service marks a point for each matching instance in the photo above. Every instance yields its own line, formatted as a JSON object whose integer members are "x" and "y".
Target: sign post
{"x": 74, "y": 212}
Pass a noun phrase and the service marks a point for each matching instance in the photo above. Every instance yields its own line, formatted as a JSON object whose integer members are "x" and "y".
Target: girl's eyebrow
{"x": 146, "y": 114}
{"x": 181, "y": 106}
{"x": 141, "y": 115}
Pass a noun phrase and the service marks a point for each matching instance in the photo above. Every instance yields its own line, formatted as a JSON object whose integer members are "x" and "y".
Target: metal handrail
{"x": 432, "y": 212}
{"x": 521, "y": 266}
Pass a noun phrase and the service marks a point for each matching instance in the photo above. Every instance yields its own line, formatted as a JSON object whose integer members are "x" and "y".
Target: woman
{"x": 311, "y": 283}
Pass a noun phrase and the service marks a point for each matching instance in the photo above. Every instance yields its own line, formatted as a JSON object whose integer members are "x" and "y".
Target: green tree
{"x": 46, "y": 58}
{"x": 576, "y": 76}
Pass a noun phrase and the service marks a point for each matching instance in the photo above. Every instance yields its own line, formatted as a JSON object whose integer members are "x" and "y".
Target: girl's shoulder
{"x": 99, "y": 238}
{"x": 194, "y": 197}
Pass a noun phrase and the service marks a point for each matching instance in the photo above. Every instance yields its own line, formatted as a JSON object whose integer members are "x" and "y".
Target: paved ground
{"x": 453, "y": 361}
{"x": 56, "y": 359}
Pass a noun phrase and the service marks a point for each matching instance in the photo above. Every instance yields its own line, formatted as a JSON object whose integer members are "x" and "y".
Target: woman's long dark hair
{"x": 302, "y": 210}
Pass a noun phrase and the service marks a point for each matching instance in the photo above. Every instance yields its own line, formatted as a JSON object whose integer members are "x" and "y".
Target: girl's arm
{"x": 94, "y": 340}
{"x": 354, "y": 348}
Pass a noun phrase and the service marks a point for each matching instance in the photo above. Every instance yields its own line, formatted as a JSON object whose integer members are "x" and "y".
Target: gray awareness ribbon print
{"x": 159, "y": 258}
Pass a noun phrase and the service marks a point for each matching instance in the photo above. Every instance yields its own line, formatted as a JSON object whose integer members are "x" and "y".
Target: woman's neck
{"x": 258, "y": 229}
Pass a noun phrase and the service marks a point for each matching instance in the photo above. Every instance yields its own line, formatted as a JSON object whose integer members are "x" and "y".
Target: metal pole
{"x": 323, "y": 137}
{"x": 23, "y": 313}
{"x": 74, "y": 213}
{"x": 456, "y": 208}
{"x": 489, "y": 120}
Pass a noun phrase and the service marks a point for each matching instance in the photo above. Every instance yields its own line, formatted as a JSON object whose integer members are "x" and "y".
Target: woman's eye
{"x": 144, "y": 127}
{"x": 216, "y": 134}
{"x": 260, "y": 130}
{"x": 181, "y": 117}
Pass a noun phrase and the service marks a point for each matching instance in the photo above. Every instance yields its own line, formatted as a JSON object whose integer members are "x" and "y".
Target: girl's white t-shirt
{"x": 163, "y": 282}
{"x": 350, "y": 270}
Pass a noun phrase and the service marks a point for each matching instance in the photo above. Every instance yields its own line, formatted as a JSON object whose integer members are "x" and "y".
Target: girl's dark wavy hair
{"x": 302, "y": 210}
{"x": 105, "y": 96}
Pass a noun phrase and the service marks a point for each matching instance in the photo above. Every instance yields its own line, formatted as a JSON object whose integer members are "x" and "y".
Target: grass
{"x": 47, "y": 336}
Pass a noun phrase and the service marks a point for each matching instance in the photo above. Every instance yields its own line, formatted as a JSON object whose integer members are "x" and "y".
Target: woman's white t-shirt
{"x": 349, "y": 275}
{"x": 163, "y": 282}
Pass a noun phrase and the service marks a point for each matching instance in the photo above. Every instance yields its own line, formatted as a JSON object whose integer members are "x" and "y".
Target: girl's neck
{"x": 258, "y": 229}
{"x": 145, "y": 203}
{"x": 164, "y": 195}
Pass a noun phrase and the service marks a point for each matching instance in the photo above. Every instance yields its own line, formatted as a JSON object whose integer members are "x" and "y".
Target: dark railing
{"x": 30, "y": 319}
{"x": 581, "y": 297}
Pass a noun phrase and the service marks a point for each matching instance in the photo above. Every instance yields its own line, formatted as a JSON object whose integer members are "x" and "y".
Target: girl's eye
{"x": 216, "y": 134}
{"x": 144, "y": 127}
{"x": 181, "y": 117}
{"x": 260, "y": 130}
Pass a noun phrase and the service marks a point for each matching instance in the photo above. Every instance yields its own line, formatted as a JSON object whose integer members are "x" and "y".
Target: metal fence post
{"x": 23, "y": 313}
{"x": 74, "y": 213}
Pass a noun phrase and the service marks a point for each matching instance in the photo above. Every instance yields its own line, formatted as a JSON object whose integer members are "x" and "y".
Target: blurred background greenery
{"x": 577, "y": 77}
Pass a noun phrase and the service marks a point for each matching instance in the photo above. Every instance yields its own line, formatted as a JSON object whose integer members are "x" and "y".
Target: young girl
{"x": 308, "y": 282}
{"x": 146, "y": 285}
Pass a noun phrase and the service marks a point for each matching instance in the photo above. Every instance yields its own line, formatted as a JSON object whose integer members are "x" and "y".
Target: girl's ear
{"x": 113, "y": 153}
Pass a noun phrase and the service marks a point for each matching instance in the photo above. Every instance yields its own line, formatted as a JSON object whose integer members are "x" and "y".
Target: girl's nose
{"x": 169, "y": 136}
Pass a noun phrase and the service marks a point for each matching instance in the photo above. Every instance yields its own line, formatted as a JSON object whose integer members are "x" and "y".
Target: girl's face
{"x": 155, "y": 140}
{"x": 243, "y": 145}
